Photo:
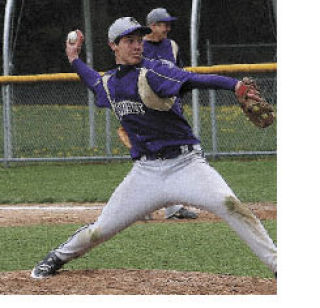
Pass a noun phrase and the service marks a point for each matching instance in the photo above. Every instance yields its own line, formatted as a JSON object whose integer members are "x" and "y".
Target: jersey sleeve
{"x": 93, "y": 81}
{"x": 168, "y": 81}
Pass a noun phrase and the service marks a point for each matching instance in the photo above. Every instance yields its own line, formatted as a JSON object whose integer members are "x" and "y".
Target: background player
{"x": 168, "y": 165}
{"x": 156, "y": 45}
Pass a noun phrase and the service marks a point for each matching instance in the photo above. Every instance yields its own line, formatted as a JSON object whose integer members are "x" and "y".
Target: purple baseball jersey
{"x": 166, "y": 49}
{"x": 146, "y": 100}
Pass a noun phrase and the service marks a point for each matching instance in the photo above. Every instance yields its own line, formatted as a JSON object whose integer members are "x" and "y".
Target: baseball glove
{"x": 259, "y": 112}
{"x": 124, "y": 137}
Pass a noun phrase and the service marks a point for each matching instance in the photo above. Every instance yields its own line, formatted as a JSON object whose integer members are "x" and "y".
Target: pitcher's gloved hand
{"x": 259, "y": 112}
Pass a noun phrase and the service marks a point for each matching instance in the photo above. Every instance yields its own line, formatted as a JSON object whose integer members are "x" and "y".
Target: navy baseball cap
{"x": 124, "y": 26}
{"x": 159, "y": 14}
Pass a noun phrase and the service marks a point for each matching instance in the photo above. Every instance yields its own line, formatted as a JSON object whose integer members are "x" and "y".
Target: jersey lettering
{"x": 126, "y": 107}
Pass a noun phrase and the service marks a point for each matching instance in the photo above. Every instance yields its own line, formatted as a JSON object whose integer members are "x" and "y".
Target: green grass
{"x": 204, "y": 247}
{"x": 234, "y": 132}
{"x": 61, "y": 183}
{"x": 251, "y": 180}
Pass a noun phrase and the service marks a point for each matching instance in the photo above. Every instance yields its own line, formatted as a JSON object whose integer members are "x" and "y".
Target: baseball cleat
{"x": 183, "y": 214}
{"x": 47, "y": 267}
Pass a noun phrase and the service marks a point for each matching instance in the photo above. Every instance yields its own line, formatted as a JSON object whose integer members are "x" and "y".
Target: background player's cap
{"x": 159, "y": 14}
{"x": 124, "y": 26}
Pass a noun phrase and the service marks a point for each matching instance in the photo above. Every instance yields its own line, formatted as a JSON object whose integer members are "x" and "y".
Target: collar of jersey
{"x": 154, "y": 42}
{"x": 124, "y": 69}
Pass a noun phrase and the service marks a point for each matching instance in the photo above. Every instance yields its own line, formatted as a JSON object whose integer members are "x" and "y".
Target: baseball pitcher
{"x": 168, "y": 166}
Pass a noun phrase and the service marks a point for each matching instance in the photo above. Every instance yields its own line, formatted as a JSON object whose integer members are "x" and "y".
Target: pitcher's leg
{"x": 134, "y": 198}
{"x": 202, "y": 186}
{"x": 249, "y": 228}
{"x": 129, "y": 203}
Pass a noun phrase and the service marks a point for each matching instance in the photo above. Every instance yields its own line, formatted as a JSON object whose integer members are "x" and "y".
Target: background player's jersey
{"x": 164, "y": 50}
{"x": 146, "y": 100}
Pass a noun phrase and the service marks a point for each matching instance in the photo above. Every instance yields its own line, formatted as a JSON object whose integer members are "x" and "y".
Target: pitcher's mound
{"x": 141, "y": 282}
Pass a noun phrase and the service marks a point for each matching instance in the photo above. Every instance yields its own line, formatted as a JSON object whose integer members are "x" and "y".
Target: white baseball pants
{"x": 151, "y": 184}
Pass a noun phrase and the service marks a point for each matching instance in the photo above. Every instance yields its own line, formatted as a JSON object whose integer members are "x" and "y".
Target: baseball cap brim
{"x": 141, "y": 29}
{"x": 168, "y": 19}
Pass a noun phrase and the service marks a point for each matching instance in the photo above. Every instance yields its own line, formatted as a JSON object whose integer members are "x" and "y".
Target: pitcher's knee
{"x": 234, "y": 206}
{"x": 91, "y": 234}
{"x": 96, "y": 235}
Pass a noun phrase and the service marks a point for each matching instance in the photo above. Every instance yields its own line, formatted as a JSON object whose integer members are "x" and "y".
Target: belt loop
{"x": 184, "y": 149}
{"x": 197, "y": 147}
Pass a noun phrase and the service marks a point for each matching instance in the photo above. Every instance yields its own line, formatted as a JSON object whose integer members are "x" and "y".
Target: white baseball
{"x": 72, "y": 37}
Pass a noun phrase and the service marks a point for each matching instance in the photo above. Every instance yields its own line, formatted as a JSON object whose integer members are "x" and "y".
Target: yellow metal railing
{"x": 215, "y": 69}
{"x": 234, "y": 68}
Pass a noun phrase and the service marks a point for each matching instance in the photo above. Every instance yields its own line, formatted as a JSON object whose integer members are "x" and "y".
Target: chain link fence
{"x": 50, "y": 121}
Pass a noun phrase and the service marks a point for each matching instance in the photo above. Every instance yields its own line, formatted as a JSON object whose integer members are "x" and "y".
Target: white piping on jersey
{"x": 105, "y": 79}
{"x": 96, "y": 83}
{"x": 163, "y": 76}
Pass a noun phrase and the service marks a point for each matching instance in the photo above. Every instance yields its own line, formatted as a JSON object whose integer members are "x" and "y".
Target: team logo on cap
{"x": 134, "y": 21}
